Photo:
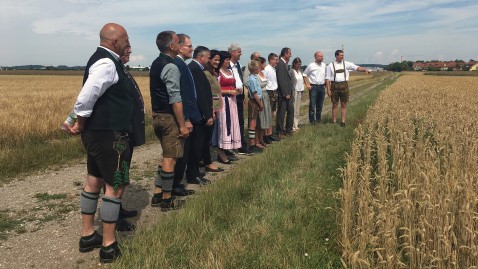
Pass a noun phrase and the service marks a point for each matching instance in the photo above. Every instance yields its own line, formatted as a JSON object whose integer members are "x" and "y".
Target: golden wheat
{"x": 410, "y": 198}
{"x": 33, "y": 106}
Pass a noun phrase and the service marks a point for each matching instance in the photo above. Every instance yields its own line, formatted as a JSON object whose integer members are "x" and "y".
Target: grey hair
{"x": 233, "y": 47}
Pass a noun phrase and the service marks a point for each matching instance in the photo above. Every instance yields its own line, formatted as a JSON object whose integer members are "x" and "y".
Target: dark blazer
{"x": 138, "y": 137}
{"x": 241, "y": 75}
{"x": 284, "y": 81}
{"x": 188, "y": 95}
{"x": 203, "y": 90}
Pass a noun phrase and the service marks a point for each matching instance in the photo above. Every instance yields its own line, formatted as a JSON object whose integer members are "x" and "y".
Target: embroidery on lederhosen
{"x": 121, "y": 174}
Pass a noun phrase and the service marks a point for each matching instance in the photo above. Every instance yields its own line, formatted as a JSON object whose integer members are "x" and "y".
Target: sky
{"x": 56, "y": 32}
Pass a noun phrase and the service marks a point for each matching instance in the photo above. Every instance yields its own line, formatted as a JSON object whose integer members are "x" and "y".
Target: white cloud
{"x": 66, "y": 31}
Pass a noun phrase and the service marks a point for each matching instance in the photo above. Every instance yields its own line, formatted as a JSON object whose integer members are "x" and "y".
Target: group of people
{"x": 194, "y": 105}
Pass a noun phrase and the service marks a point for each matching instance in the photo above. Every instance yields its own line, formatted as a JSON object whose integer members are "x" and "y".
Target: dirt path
{"x": 44, "y": 208}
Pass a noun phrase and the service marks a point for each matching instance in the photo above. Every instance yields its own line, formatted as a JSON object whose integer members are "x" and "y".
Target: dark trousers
{"x": 316, "y": 102}
{"x": 206, "y": 152}
{"x": 285, "y": 105}
{"x": 192, "y": 153}
{"x": 240, "y": 112}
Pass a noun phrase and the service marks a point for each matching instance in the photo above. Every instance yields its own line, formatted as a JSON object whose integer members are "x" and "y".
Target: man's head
{"x": 235, "y": 51}
{"x": 114, "y": 37}
{"x": 125, "y": 57}
{"x": 168, "y": 43}
{"x": 255, "y": 56}
{"x": 319, "y": 57}
{"x": 273, "y": 59}
{"x": 286, "y": 53}
{"x": 202, "y": 55}
{"x": 185, "y": 46}
{"x": 339, "y": 56}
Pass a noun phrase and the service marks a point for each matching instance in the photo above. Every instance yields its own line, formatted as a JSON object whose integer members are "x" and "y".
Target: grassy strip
{"x": 273, "y": 210}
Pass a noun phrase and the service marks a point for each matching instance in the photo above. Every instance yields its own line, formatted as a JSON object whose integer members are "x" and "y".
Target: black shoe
{"x": 219, "y": 169}
{"x": 199, "y": 181}
{"x": 182, "y": 192}
{"x": 123, "y": 213}
{"x": 222, "y": 161}
{"x": 242, "y": 151}
{"x": 171, "y": 204}
{"x": 232, "y": 158}
{"x": 156, "y": 199}
{"x": 202, "y": 173}
{"x": 256, "y": 149}
{"x": 229, "y": 153}
{"x": 88, "y": 243}
{"x": 273, "y": 138}
{"x": 123, "y": 226}
{"x": 267, "y": 140}
{"x": 342, "y": 124}
{"x": 110, "y": 253}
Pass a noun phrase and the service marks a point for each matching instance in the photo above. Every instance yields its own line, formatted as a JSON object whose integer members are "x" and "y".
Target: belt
{"x": 318, "y": 85}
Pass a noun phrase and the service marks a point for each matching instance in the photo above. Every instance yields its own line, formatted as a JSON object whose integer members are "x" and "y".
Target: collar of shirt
{"x": 179, "y": 56}
{"x": 202, "y": 67}
{"x": 112, "y": 52}
{"x": 283, "y": 60}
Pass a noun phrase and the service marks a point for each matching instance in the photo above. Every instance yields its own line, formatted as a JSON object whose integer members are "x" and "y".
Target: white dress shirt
{"x": 340, "y": 77}
{"x": 316, "y": 73}
{"x": 270, "y": 73}
{"x": 101, "y": 75}
{"x": 239, "y": 84}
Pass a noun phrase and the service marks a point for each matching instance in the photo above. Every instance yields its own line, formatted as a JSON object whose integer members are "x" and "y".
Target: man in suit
{"x": 285, "y": 95}
{"x": 192, "y": 115}
{"x": 236, "y": 52}
{"x": 204, "y": 100}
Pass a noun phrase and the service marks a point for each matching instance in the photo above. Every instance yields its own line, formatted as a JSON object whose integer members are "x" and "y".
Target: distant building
{"x": 443, "y": 66}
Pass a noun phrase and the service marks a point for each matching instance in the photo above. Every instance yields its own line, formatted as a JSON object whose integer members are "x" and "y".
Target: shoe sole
{"x": 88, "y": 249}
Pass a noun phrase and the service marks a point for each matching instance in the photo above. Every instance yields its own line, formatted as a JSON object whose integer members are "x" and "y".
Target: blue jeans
{"x": 316, "y": 102}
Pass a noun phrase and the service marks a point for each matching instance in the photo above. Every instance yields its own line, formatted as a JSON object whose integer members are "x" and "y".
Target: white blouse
{"x": 297, "y": 80}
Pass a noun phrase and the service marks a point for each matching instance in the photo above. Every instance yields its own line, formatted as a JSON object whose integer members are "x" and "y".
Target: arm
{"x": 362, "y": 69}
{"x": 101, "y": 76}
{"x": 170, "y": 75}
{"x": 281, "y": 72}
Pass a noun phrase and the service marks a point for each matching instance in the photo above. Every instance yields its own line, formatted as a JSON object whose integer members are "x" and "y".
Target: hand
{"x": 309, "y": 87}
{"x": 239, "y": 90}
{"x": 261, "y": 107}
{"x": 329, "y": 93}
{"x": 72, "y": 130}
{"x": 209, "y": 122}
{"x": 368, "y": 71}
{"x": 189, "y": 125}
{"x": 183, "y": 132}
{"x": 287, "y": 97}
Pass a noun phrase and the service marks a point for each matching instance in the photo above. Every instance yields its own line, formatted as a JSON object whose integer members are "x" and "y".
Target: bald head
{"x": 114, "y": 37}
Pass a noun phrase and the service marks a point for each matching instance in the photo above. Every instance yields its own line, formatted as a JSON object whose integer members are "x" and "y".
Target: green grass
{"x": 7, "y": 223}
{"x": 47, "y": 197}
{"x": 274, "y": 210}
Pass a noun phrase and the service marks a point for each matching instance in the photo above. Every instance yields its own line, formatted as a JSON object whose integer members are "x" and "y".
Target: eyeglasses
{"x": 189, "y": 46}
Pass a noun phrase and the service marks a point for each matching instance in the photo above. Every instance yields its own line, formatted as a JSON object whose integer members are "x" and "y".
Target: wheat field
{"x": 410, "y": 185}
{"x": 33, "y": 106}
